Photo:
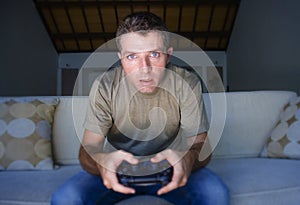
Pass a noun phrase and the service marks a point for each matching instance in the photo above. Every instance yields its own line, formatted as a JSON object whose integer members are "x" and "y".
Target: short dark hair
{"x": 143, "y": 22}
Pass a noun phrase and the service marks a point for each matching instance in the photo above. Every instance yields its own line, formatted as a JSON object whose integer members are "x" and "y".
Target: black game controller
{"x": 145, "y": 173}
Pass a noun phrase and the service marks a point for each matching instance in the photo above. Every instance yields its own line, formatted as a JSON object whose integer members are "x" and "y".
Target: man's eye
{"x": 131, "y": 57}
{"x": 155, "y": 54}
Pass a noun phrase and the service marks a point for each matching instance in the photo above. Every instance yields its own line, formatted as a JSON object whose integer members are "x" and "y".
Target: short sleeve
{"x": 193, "y": 115}
{"x": 98, "y": 117}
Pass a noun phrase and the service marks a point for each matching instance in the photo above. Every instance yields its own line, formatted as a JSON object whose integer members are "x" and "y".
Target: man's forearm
{"x": 192, "y": 156}
{"x": 86, "y": 160}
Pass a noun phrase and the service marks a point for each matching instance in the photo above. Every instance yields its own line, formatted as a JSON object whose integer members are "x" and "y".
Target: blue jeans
{"x": 203, "y": 188}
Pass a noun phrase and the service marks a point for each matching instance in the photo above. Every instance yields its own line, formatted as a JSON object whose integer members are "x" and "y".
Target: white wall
{"x": 264, "y": 49}
{"x": 28, "y": 59}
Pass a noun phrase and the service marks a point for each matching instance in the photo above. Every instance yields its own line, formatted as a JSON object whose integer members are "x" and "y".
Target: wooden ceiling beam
{"x": 197, "y": 32}
{"x": 111, "y": 35}
{"x": 71, "y": 25}
{"x": 224, "y": 23}
{"x": 129, "y": 3}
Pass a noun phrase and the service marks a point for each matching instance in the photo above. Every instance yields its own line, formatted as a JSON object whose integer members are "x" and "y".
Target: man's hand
{"x": 94, "y": 161}
{"x": 181, "y": 169}
{"x": 107, "y": 166}
{"x": 183, "y": 163}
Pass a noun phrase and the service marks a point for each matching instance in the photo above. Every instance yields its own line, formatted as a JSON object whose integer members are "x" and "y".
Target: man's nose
{"x": 145, "y": 65}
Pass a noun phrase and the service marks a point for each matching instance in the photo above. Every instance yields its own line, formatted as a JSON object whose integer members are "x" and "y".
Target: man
{"x": 145, "y": 107}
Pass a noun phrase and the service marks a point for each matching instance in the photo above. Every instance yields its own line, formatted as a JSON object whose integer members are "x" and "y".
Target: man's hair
{"x": 142, "y": 22}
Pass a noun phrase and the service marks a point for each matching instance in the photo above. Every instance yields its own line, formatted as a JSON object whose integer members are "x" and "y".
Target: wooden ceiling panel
{"x": 93, "y": 20}
{"x": 84, "y": 25}
{"x": 231, "y": 17}
{"x": 172, "y": 17}
{"x": 203, "y": 18}
{"x": 158, "y": 10}
{"x": 49, "y": 20}
{"x": 223, "y": 42}
{"x": 77, "y": 20}
{"x": 123, "y": 11}
{"x": 59, "y": 44}
{"x": 200, "y": 42}
{"x": 85, "y": 44}
{"x": 62, "y": 21}
{"x": 137, "y": 8}
{"x": 187, "y": 20}
{"x": 219, "y": 18}
{"x": 109, "y": 18}
{"x": 98, "y": 43}
{"x": 71, "y": 44}
{"x": 212, "y": 42}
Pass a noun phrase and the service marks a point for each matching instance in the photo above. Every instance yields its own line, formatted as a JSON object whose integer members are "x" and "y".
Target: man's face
{"x": 144, "y": 59}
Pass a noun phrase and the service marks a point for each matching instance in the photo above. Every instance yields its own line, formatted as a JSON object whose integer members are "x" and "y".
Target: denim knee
{"x": 219, "y": 190}
{"x": 66, "y": 195}
{"x": 82, "y": 188}
{"x": 208, "y": 188}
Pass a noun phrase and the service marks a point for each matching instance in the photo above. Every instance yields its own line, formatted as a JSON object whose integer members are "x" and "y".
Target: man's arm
{"x": 94, "y": 161}
{"x": 192, "y": 155}
{"x": 90, "y": 146}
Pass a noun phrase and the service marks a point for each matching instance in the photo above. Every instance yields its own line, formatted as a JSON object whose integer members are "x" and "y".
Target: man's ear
{"x": 170, "y": 52}
{"x": 119, "y": 55}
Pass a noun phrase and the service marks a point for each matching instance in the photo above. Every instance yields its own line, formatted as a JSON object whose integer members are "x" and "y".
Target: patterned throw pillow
{"x": 284, "y": 140}
{"x": 25, "y": 135}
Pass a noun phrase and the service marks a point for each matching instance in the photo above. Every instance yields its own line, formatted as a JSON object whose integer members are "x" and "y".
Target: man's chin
{"x": 147, "y": 90}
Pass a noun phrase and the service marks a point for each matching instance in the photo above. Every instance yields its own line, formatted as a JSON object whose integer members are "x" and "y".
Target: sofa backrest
{"x": 250, "y": 117}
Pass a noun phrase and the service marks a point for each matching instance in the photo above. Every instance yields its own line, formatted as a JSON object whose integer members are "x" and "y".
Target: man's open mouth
{"x": 146, "y": 82}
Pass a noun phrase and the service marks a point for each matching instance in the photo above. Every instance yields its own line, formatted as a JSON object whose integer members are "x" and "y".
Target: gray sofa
{"x": 250, "y": 117}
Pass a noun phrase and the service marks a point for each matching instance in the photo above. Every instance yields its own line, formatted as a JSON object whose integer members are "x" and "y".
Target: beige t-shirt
{"x": 145, "y": 124}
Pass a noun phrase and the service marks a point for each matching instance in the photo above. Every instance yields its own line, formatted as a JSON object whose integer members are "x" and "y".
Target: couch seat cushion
{"x": 34, "y": 188}
{"x": 260, "y": 181}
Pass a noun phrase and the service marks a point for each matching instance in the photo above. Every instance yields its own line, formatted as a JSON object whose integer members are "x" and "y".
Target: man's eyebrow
{"x": 134, "y": 52}
{"x": 128, "y": 52}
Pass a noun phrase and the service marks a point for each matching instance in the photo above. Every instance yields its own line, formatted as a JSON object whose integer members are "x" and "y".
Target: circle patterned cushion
{"x": 25, "y": 135}
{"x": 284, "y": 140}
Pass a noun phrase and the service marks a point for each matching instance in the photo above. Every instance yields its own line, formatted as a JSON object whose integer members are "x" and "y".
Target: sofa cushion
{"x": 34, "y": 188}
{"x": 284, "y": 140}
{"x": 249, "y": 119}
{"x": 260, "y": 181}
{"x": 25, "y": 134}
{"x": 68, "y": 129}
{"x": 19, "y": 188}
{"x": 251, "y": 181}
